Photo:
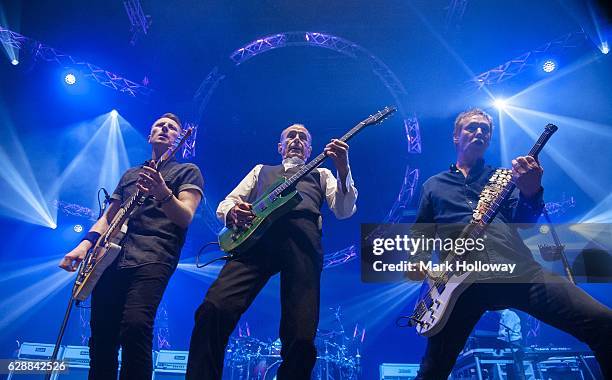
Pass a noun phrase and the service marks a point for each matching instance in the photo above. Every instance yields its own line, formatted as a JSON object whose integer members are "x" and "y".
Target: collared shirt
{"x": 447, "y": 203}
{"x": 340, "y": 203}
{"x": 151, "y": 236}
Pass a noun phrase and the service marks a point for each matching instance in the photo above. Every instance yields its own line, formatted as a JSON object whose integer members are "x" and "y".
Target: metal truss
{"x": 561, "y": 207}
{"x": 138, "y": 20}
{"x": 340, "y": 257}
{"x": 49, "y": 54}
{"x": 206, "y": 89}
{"x": 11, "y": 39}
{"x": 162, "y": 330}
{"x": 190, "y": 143}
{"x": 350, "y": 49}
{"x": 413, "y": 134}
{"x": 323, "y": 40}
{"x": 405, "y": 196}
{"x": 527, "y": 60}
{"x": 75, "y": 210}
{"x": 454, "y": 15}
{"x": 395, "y": 215}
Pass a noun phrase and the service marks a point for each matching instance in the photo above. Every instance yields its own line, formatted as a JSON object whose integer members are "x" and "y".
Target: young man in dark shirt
{"x": 125, "y": 299}
{"x": 450, "y": 198}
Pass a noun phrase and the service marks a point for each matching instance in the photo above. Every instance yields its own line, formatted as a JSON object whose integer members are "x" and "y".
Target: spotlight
{"x": 605, "y": 49}
{"x": 78, "y": 228}
{"x": 15, "y": 62}
{"x": 114, "y": 113}
{"x": 500, "y": 104}
{"x": 70, "y": 79}
{"x": 549, "y": 66}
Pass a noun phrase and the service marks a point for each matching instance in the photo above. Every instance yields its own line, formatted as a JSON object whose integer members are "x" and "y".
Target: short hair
{"x": 173, "y": 117}
{"x": 469, "y": 113}
{"x": 295, "y": 125}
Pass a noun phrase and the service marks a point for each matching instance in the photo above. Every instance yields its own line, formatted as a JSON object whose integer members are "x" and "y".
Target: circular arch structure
{"x": 350, "y": 49}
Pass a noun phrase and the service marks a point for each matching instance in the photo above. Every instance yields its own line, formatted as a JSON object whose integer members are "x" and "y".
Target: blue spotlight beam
{"x": 18, "y": 305}
{"x": 583, "y": 179}
{"x": 20, "y": 193}
{"x": 379, "y": 307}
{"x": 89, "y": 70}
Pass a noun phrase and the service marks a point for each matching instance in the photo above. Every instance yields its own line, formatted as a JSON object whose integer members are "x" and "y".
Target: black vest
{"x": 309, "y": 186}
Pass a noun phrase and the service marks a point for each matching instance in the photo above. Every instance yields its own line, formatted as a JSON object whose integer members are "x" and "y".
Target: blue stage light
{"x": 70, "y": 79}
{"x": 605, "y": 49}
{"x": 549, "y": 66}
{"x": 78, "y": 228}
{"x": 500, "y": 104}
{"x": 15, "y": 62}
{"x": 114, "y": 113}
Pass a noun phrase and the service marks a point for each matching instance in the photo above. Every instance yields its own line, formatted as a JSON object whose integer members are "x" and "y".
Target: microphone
{"x": 107, "y": 197}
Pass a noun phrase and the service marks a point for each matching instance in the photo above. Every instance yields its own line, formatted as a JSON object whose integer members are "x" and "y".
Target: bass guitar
{"x": 441, "y": 290}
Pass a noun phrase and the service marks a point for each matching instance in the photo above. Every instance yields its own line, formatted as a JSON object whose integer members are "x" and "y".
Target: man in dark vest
{"x": 291, "y": 247}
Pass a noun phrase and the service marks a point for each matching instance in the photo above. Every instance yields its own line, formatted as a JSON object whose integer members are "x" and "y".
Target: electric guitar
{"x": 108, "y": 246}
{"x": 441, "y": 290}
{"x": 281, "y": 197}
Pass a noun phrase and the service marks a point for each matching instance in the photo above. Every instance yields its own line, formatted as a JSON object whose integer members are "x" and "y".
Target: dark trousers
{"x": 292, "y": 247}
{"x": 547, "y": 297}
{"x": 123, "y": 308}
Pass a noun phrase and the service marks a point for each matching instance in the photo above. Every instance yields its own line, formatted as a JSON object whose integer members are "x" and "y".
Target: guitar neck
{"x": 136, "y": 200}
{"x": 315, "y": 162}
{"x": 509, "y": 188}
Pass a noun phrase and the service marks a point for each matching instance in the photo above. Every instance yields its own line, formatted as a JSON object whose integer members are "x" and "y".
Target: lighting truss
{"x": 405, "y": 196}
{"x": 75, "y": 210}
{"x": 162, "y": 329}
{"x": 354, "y": 51}
{"x": 315, "y": 39}
{"x": 454, "y": 15}
{"x": 12, "y": 39}
{"x": 138, "y": 20}
{"x": 189, "y": 144}
{"x": 527, "y": 60}
{"x": 49, "y": 54}
{"x": 413, "y": 134}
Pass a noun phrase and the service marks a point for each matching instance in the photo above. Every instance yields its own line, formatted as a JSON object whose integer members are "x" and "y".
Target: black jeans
{"x": 292, "y": 247}
{"x": 123, "y": 308}
{"x": 547, "y": 297}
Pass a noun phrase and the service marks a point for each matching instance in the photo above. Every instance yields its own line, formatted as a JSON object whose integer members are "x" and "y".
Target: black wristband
{"x": 92, "y": 237}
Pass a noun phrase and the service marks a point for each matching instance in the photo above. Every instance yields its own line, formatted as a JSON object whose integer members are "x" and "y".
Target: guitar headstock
{"x": 379, "y": 116}
{"x": 176, "y": 145}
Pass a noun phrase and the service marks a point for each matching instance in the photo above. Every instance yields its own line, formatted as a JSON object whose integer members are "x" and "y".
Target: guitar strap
{"x": 489, "y": 193}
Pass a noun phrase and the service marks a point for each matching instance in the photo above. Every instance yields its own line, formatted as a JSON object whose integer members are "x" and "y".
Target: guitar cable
{"x": 225, "y": 257}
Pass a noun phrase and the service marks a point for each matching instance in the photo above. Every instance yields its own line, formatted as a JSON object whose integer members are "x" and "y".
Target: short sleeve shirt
{"x": 151, "y": 237}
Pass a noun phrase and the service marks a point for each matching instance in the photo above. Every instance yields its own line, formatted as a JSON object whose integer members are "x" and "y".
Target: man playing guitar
{"x": 451, "y": 197}
{"x": 125, "y": 299}
{"x": 291, "y": 246}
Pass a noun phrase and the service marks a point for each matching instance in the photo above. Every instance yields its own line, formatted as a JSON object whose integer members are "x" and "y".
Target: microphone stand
{"x": 519, "y": 369}
{"x": 560, "y": 249}
{"x": 62, "y": 329}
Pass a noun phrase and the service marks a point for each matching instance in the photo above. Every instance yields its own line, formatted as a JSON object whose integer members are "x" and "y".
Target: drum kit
{"x": 338, "y": 356}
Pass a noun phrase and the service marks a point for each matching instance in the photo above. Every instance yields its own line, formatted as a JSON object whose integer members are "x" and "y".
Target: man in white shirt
{"x": 291, "y": 247}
